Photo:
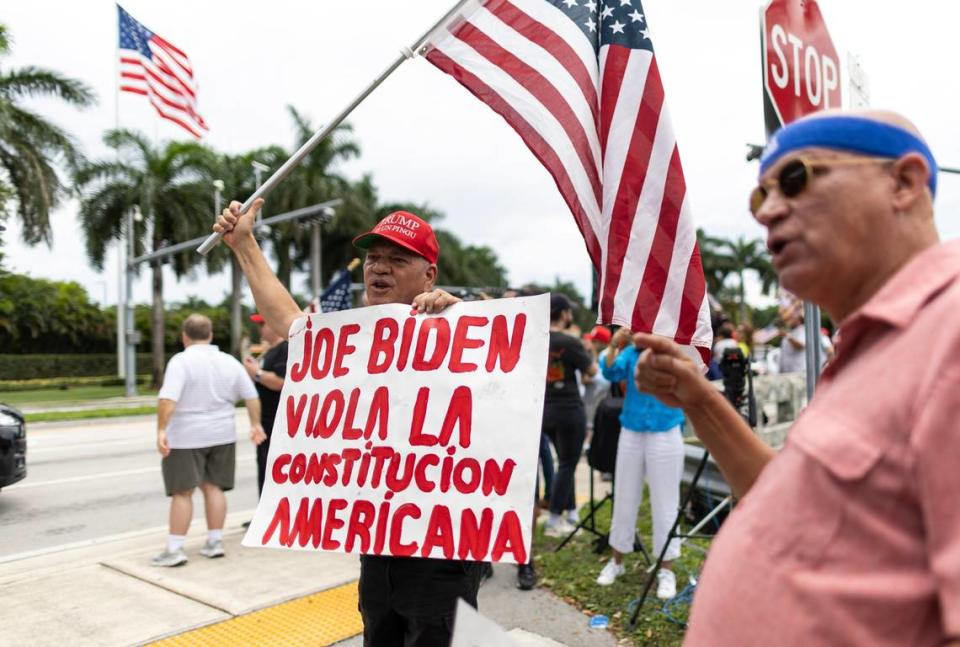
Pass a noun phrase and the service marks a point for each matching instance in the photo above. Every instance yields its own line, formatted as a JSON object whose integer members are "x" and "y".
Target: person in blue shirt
{"x": 650, "y": 448}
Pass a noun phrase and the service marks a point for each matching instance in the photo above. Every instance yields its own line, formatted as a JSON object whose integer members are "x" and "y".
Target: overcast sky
{"x": 426, "y": 139}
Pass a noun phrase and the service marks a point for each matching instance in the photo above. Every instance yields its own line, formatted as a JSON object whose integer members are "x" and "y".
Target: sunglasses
{"x": 795, "y": 175}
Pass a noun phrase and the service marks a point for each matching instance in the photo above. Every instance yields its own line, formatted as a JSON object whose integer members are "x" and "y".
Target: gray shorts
{"x": 184, "y": 469}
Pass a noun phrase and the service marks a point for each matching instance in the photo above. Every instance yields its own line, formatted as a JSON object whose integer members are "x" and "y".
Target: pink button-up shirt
{"x": 851, "y": 535}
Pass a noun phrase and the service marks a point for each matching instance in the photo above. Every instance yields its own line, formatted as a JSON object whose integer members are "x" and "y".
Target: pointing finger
{"x": 658, "y": 344}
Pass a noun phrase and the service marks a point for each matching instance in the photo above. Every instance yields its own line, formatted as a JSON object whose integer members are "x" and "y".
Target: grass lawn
{"x": 84, "y": 414}
{"x": 571, "y": 574}
{"x": 72, "y": 395}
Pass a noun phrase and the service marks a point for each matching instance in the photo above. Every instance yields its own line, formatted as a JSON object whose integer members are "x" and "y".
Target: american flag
{"x": 337, "y": 295}
{"x": 155, "y": 68}
{"x": 578, "y": 81}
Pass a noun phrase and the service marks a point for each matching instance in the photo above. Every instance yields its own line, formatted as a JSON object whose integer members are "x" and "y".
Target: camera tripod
{"x": 589, "y": 523}
{"x": 736, "y": 375}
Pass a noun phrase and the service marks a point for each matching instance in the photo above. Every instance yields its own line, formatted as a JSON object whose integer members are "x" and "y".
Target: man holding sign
{"x": 426, "y": 508}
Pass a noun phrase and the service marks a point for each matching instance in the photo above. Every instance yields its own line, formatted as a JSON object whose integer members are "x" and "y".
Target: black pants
{"x": 410, "y": 602}
{"x": 263, "y": 450}
{"x": 567, "y": 428}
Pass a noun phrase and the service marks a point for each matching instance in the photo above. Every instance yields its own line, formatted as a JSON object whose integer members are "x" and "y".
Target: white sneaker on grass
{"x": 573, "y": 517}
{"x": 212, "y": 549}
{"x": 666, "y": 584}
{"x": 610, "y": 573}
{"x": 170, "y": 558}
{"x": 557, "y": 526}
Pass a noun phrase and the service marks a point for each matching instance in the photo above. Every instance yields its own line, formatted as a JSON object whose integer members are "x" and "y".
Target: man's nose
{"x": 379, "y": 267}
{"x": 775, "y": 206}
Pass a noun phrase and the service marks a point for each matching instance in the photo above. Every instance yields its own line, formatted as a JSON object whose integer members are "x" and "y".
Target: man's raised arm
{"x": 665, "y": 372}
{"x": 273, "y": 301}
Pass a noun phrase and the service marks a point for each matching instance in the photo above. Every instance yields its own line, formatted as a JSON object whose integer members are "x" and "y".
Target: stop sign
{"x": 801, "y": 69}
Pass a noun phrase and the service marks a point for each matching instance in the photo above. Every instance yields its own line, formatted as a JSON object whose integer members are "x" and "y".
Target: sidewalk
{"x": 106, "y": 593}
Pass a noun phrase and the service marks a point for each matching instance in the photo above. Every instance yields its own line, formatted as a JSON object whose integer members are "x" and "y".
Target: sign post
{"x": 801, "y": 75}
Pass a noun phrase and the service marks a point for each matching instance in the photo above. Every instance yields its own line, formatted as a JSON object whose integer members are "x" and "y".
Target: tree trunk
{"x": 743, "y": 299}
{"x": 157, "y": 328}
{"x": 236, "y": 321}
{"x": 284, "y": 263}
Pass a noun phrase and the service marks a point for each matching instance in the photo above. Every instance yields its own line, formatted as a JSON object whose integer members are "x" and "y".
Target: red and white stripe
{"x": 601, "y": 129}
{"x": 166, "y": 79}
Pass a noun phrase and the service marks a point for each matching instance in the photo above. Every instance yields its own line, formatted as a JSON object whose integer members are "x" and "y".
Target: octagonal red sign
{"x": 801, "y": 69}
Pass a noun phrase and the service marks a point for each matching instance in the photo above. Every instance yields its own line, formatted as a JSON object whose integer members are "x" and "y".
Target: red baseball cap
{"x": 256, "y": 317}
{"x": 599, "y": 333}
{"x": 406, "y": 230}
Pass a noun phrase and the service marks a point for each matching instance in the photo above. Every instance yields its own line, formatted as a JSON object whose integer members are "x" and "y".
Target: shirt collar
{"x": 204, "y": 346}
{"x": 902, "y": 297}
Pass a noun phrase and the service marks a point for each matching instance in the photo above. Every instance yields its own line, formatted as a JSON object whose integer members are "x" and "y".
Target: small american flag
{"x": 578, "y": 81}
{"x": 155, "y": 68}
{"x": 336, "y": 297}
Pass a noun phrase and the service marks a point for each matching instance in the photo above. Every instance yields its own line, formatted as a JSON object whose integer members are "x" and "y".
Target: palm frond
{"x": 39, "y": 82}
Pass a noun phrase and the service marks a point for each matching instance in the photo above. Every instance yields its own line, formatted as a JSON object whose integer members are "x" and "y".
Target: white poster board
{"x": 409, "y": 435}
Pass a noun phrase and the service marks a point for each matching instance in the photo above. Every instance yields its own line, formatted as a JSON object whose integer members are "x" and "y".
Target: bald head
{"x": 881, "y": 116}
{"x": 837, "y": 184}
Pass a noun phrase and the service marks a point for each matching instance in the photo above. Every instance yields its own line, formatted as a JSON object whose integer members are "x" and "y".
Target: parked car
{"x": 13, "y": 446}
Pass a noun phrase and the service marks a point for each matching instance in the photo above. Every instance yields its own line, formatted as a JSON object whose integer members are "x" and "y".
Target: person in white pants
{"x": 650, "y": 449}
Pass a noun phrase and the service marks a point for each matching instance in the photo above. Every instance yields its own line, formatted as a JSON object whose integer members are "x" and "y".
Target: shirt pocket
{"x": 806, "y": 493}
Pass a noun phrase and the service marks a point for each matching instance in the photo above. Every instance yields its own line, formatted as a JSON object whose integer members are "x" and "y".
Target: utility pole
{"x": 130, "y": 377}
{"x": 121, "y": 301}
{"x": 316, "y": 253}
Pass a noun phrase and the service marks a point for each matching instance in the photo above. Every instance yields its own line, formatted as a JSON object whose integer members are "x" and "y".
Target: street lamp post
{"x": 316, "y": 252}
{"x": 130, "y": 377}
{"x": 121, "y": 325}
{"x": 236, "y": 324}
{"x": 258, "y": 168}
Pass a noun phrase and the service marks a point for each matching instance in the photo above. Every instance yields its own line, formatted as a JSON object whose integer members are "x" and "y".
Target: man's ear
{"x": 911, "y": 173}
{"x": 430, "y": 277}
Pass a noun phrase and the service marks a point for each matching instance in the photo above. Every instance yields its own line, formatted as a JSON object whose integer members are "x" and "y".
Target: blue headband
{"x": 850, "y": 134}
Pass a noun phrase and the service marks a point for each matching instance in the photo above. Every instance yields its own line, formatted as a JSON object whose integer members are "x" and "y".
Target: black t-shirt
{"x": 567, "y": 356}
{"x": 275, "y": 361}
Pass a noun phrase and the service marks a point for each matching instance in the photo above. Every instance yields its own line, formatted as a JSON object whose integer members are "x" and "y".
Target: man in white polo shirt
{"x": 196, "y": 435}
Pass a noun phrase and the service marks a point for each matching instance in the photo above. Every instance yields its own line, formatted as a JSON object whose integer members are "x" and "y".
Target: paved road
{"x": 89, "y": 480}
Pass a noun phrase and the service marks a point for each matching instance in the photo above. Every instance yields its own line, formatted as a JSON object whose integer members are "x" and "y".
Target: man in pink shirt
{"x": 851, "y": 534}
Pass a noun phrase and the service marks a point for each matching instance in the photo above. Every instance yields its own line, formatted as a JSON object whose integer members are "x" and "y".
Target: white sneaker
{"x": 557, "y": 527}
{"x": 610, "y": 573}
{"x": 666, "y": 584}
{"x": 573, "y": 518}
{"x": 167, "y": 558}
{"x": 212, "y": 549}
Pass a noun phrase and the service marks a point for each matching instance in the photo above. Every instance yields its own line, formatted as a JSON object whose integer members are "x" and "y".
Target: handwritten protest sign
{"x": 409, "y": 435}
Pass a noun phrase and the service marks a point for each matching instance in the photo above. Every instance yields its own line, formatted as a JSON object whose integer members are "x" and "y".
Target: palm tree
{"x": 235, "y": 171}
{"x": 171, "y": 186}
{"x": 31, "y": 146}
{"x": 316, "y": 179}
{"x": 716, "y": 264}
{"x": 737, "y": 257}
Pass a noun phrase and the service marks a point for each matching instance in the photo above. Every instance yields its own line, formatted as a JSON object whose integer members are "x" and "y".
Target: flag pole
{"x": 295, "y": 159}
{"x": 121, "y": 297}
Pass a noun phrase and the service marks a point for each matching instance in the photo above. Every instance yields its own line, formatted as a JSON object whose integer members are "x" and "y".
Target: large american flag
{"x": 155, "y": 68}
{"x": 578, "y": 81}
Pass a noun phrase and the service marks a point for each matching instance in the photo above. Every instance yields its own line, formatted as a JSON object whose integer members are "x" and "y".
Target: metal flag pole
{"x": 121, "y": 276}
{"x": 294, "y": 161}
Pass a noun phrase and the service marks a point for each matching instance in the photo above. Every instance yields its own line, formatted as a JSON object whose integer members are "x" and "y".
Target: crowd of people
{"x": 848, "y": 535}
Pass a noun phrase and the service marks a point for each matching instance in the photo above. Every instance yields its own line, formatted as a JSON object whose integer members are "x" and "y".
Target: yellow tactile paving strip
{"x": 320, "y": 619}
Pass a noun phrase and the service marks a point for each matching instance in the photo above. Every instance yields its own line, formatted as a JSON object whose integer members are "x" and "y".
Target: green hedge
{"x": 7, "y": 386}
{"x": 33, "y": 367}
